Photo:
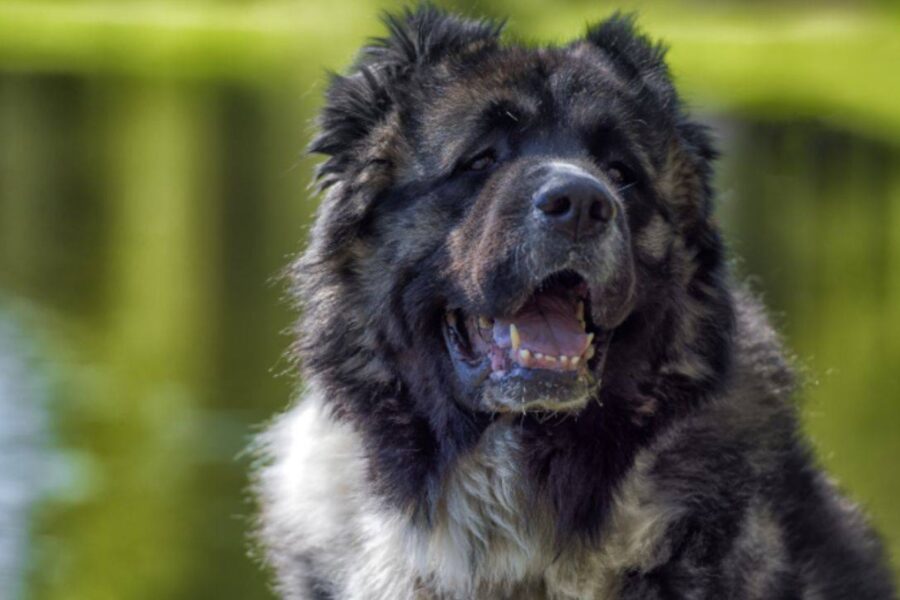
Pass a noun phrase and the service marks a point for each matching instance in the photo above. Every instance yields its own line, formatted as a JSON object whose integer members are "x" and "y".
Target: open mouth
{"x": 552, "y": 332}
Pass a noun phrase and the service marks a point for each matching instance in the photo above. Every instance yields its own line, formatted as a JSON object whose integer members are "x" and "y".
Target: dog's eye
{"x": 482, "y": 161}
{"x": 619, "y": 173}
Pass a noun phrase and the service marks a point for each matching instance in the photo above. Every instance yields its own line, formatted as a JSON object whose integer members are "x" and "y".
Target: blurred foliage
{"x": 836, "y": 60}
{"x": 152, "y": 187}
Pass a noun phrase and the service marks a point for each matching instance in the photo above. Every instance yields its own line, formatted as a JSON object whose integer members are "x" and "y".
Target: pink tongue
{"x": 548, "y": 324}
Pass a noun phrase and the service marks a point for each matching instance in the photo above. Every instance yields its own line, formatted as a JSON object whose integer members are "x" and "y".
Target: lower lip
{"x": 542, "y": 408}
{"x": 527, "y": 373}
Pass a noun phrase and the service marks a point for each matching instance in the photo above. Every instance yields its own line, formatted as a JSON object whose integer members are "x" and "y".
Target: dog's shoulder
{"x": 744, "y": 503}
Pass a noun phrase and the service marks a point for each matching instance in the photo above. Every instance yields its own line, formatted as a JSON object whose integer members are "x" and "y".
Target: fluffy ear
{"x": 357, "y": 102}
{"x": 641, "y": 61}
{"x": 630, "y": 51}
{"x": 634, "y": 55}
{"x": 425, "y": 36}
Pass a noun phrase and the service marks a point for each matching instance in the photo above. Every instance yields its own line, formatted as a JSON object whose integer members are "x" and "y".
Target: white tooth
{"x": 564, "y": 360}
{"x": 484, "y": 323}
{"x": 524, "y": 355}
{"x": 590, "y": 338}
{"x": 550, "y": 358}
{"x": 576, "y": 360}
{"x": 514, "y": 336}
{"x": 538, "y": 355}
{"x": 589, "y": 354}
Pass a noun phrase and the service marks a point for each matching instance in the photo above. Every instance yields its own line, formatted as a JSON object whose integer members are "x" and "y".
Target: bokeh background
{"x": 153, "y": 185}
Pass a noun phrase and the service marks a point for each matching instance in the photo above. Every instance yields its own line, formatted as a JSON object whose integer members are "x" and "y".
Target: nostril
{"x": 574, "y": 204}
{"x": 553, "y": 205}
{"x": 602, "y": 209}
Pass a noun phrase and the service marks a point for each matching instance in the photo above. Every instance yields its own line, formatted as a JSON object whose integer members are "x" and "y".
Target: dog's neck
{"x": 486, "y": 523}
{"x": 491, "y": 532}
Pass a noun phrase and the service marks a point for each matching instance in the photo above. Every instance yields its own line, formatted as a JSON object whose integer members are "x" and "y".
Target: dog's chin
{"x": 524, "y": 390}
{"x": 546, "y": 356}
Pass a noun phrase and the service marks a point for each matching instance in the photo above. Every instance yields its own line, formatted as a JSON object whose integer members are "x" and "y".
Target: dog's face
{"x": 544, "y": 174}
{"x": 507, "y": 229}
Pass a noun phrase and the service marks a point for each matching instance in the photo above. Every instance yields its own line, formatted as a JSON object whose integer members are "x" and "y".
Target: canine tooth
{"x": 484, "y": 323}
{"x": 576, "y": 360}
{"x": 524, "y": 355}
{"x": 590, "y": 338}
{"x": 579, "y": 311}
{"x": 589, "y": 354}
{"x": 514, "y": 336}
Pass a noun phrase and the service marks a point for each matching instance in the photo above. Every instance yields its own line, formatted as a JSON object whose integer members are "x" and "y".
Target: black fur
{"x": 406, "y": 233}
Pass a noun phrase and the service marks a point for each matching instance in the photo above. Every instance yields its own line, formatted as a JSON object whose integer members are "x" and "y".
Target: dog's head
{"x": 510, "y": 229}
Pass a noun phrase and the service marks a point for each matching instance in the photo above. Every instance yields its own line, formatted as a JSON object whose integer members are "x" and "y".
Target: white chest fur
{"x": 489, "y": 536}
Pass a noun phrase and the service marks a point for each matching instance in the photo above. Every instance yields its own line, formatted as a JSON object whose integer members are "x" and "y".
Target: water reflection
{"x": 23, "y": 458}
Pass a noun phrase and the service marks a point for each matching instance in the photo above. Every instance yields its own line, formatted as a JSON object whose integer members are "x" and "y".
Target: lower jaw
{"x": 537, "y": 391}
{"x": 541, "y": 407}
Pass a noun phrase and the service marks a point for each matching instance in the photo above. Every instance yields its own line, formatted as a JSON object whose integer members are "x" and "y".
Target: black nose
{"x": 575, "y": 204}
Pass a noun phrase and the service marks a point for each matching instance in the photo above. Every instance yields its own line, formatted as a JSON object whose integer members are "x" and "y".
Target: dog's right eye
{"x": 620, "y": 174}
{"x": 481, "y": 161}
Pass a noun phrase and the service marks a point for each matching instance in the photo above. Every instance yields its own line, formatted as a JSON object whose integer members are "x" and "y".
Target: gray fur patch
{"x": 655, "y": 239}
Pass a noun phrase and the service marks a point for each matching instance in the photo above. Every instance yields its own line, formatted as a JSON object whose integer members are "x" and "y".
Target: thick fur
{"x": 685, "y": 476}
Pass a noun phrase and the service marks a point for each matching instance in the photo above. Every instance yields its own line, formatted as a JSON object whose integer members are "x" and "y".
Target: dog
{"x": 528, "y": 372}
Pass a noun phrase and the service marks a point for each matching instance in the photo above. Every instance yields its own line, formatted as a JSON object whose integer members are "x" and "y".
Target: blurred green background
{"x": 153, "y": 185}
